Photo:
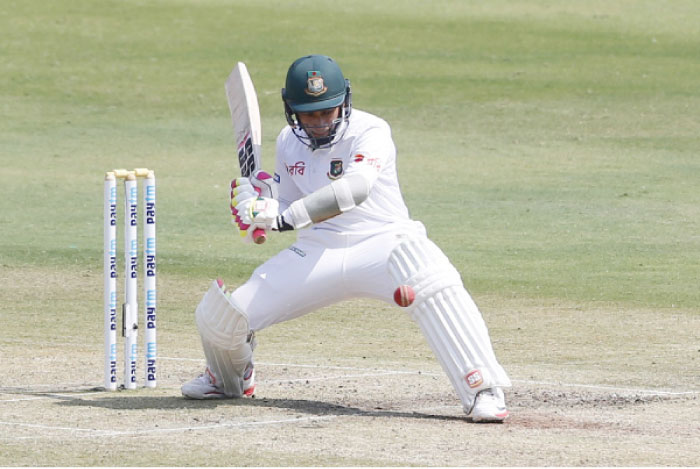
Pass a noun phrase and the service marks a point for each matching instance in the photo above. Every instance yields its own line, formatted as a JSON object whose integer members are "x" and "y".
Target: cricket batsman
{"x": 336, "y": 185}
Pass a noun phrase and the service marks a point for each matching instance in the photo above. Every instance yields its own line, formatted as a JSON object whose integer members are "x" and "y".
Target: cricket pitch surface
{"x": 344, "y": 415}
{"x": 353, "y": 385}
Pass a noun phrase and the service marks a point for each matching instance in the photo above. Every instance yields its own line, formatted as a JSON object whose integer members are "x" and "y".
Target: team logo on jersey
{"x": 314, "y": 84}
{"x": 336, "y": 169}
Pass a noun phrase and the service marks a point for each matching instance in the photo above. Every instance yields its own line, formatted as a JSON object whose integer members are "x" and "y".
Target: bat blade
{"x": 245, "y": 117}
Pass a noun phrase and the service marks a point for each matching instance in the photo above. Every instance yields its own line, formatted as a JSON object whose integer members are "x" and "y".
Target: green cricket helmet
{"x": 315, "y": 83}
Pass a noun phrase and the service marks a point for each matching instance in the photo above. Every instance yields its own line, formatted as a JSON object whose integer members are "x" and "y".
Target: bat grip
{"x": 259, "y": 236}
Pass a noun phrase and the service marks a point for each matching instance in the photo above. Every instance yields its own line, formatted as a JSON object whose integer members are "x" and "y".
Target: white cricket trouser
{"x": 323, "y": 267}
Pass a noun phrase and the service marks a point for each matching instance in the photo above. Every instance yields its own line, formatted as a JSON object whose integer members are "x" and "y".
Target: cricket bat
{"x": 245, "y": 116}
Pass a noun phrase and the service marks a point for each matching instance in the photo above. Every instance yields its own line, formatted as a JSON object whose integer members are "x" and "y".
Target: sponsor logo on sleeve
{"x": 373, "y": 162}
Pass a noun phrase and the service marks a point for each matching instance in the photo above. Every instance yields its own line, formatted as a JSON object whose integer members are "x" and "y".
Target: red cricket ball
{"x": 404, "y": 296}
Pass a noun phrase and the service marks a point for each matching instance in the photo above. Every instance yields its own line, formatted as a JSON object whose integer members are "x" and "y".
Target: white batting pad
{"x": 227, "y": 339}
{"x": 448, "y": 317}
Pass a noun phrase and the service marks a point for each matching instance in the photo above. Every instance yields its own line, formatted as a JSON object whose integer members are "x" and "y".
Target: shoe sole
{"x": 217, "y": 395}
{"x": 203, "y": 397}
{"x": 498, "y": 418}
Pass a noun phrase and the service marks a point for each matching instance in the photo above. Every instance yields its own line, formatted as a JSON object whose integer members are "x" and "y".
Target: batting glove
{"x": 259, "y": 213}
{"x": 264, "y": 184}
{"x": 259, "y": 182}
{"x": 251, "y": 210}
{"x": 241, "y": 190}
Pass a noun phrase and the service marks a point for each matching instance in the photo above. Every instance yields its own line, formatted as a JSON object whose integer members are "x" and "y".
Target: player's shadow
{"x": 306, "y": 406}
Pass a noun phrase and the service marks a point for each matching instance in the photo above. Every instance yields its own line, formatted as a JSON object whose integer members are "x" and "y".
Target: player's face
{"x": 318, "y": 123}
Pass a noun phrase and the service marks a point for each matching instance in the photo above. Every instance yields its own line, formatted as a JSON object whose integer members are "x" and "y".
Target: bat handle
{"x": 259, "y": 236}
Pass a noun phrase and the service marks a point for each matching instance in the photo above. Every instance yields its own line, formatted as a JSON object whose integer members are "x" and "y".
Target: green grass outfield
{"x": 550, "y": 147}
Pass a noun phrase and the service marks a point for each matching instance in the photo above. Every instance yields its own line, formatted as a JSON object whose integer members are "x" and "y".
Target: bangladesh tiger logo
{"x": 336, "y": 169}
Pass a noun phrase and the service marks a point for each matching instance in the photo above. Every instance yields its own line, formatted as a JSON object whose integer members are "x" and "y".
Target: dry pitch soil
{"x": 330, "y": 415}
{"x": 351, "y": 385}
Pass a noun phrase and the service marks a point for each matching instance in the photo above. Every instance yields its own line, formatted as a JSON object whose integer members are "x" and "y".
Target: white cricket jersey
{"x": 365, "y": 147}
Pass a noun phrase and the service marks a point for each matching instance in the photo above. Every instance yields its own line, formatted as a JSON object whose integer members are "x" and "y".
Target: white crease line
{"x": 423, "y": 373}
{"x": 182, "y": 359}
{"x": 326, "y": 367}
{"x": 67, "y": 387}
{"x": 52, "y": 395}
{"x": 93, "y": 433}
{"x": 37, "y": 398}
{"x": 350, "y": 368}
{"x": 46, "y": 427}
{"x": 225, "y": 425}
{"x": 437, "y": 407}
{"x": 329, "y": 378}
{"x": 381, "y": 372}
{"x": 611, "y": 388}
{"x": 266, "y": 381}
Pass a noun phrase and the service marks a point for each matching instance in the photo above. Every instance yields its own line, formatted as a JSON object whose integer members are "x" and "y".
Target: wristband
{"x": 282, "y": 225}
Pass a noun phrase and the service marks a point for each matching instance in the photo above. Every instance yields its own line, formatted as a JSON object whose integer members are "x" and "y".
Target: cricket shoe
{"x": 249, "y": 380}
{"x": 205, "y": 386}
{"x": 489, "y": 406}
